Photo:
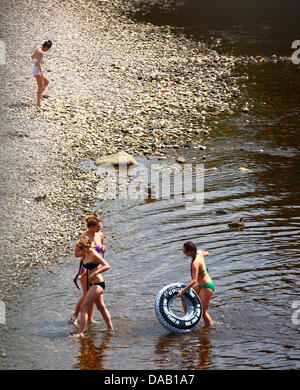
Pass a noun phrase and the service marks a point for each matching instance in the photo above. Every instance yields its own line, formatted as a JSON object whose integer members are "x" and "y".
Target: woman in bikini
{"x": 41, "y": 79}
{"x": 95, "y": 284}
{"x": 97, "y": 238}
{"x": 201, "y": 281}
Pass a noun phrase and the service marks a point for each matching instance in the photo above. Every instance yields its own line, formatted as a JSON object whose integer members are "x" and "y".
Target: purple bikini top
{"x": 99, "y": 249}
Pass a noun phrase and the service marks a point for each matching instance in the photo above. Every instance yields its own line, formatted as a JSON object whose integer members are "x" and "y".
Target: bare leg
{"x": 103, "y": 310}
{"x": 89, "y": 299}
{"x": 79, "y": 303}
{"x": 77, "y": 310}
{"x": 45, "y": 83}
{"x": 39, "y": 81}
{"x": 205, "y": 295}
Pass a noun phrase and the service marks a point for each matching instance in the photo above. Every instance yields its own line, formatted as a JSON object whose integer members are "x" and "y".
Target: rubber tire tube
{"x": 168, "y": 319}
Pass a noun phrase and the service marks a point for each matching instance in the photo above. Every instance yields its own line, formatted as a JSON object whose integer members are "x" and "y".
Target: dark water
{"x": 220, "y": 13}
{"x": 255, "y": 270}
{"x": 248, "y": 27}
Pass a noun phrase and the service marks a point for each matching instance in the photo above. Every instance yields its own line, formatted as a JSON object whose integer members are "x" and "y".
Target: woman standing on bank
{"x": 201, "y": 281}
{"x": 93, "y": 232}
{"x": 95, "y": 284}
{"x": 41, "y": 79}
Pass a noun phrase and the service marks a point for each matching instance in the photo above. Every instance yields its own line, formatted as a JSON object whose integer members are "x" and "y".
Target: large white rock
{"x": 121, "y": 158}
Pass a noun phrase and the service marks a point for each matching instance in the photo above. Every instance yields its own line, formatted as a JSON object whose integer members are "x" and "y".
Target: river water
{"x": 255, "y": 270}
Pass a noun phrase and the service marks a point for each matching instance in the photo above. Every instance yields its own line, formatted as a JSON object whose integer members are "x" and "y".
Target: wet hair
{"x": 47, "y": 44}
{"x": 191, "y": 247}
{"x": 84, "y": 242}
{"x": 91, "y": 221}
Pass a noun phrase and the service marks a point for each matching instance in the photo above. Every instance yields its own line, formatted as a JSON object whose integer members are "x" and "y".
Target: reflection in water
{"x": 188, "y": 353}
{"x": 91, "y": 356}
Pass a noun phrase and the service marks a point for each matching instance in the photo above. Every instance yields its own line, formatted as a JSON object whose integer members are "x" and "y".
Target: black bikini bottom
{"x": 101, "y": 284}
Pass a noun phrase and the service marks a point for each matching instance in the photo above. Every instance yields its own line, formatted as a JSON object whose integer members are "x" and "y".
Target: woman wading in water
{"x": 41, "y": 79}
{"x": 97, "y": 238}
{"x": 201, "y": 281}
{"x": 95, "y": 285}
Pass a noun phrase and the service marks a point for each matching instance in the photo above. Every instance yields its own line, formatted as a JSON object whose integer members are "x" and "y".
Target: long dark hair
{"x": 191, "y": 247}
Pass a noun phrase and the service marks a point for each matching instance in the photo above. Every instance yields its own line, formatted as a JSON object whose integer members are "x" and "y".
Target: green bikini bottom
{"x": 208, "y": 285}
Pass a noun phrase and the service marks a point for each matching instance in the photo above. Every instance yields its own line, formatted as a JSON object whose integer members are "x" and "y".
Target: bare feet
{"x": 73, "y": 321}
{"x": 94, "y": 322}
{"x": 76, "y": 335}
{"x": 109, "y": 331}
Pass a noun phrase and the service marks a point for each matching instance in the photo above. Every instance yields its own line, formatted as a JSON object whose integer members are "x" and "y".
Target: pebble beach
{"x": 174, "y": 90}
{"x": 115, "y": 85}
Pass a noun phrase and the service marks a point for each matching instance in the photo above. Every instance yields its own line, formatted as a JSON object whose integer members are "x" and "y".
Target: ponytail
{"x": 47, "y": 44}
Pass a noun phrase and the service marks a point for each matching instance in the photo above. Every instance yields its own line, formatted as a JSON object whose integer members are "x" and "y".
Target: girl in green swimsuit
{"x": 201, "y": 281}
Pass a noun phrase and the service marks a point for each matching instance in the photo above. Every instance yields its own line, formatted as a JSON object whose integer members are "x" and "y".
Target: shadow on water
{"x": 248, "y": 27}
{"x": 220, "y": 12}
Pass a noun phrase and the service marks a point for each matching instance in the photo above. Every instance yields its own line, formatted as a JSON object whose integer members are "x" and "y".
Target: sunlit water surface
{"x": 255, "y": 270}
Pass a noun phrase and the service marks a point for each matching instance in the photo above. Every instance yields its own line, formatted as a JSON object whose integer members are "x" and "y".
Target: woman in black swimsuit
{"x": 95, "y": 284}
{"x": 93, "y": 232}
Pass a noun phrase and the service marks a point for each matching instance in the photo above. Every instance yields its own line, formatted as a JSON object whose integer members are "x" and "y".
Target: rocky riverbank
{"x": 115, "y": 85}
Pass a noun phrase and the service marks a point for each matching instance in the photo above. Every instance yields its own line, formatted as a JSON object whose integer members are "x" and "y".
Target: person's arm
{"x": 39, "y": 55}
{"x": 78, "y": 252}
{"x": 78, "y": 275}
{"x": 103, "y": 249}
{"x": 100, "y": 261}
{"x": 39, "y": 64}
{"x": 191, "y": 283}
{"x": 33, "y": 54}
{"x": 81, "y": 275}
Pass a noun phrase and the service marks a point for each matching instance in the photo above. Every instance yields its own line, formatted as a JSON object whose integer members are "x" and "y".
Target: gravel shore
{"x": 115, "y": 85}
